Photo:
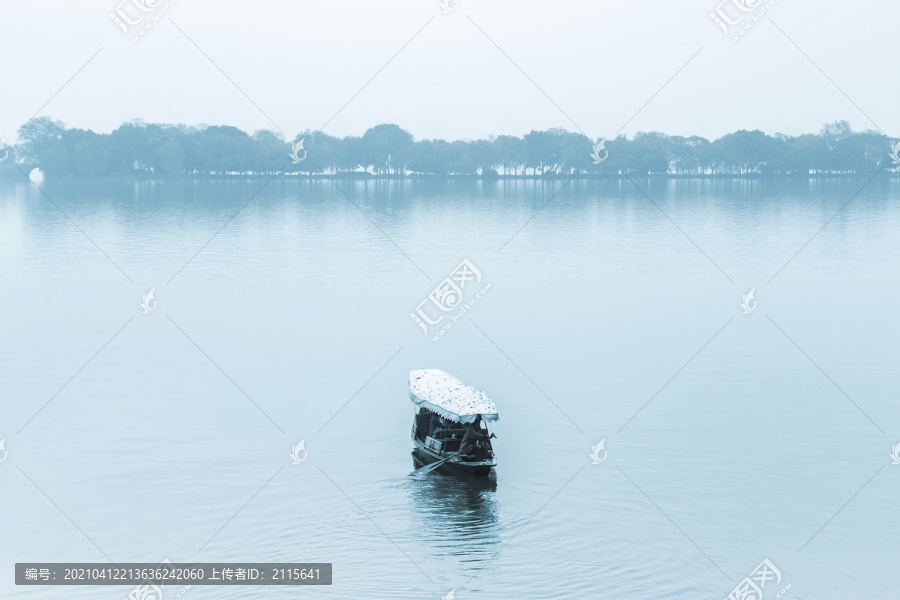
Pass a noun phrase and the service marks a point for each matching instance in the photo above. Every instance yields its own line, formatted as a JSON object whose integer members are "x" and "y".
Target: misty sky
{"x": 300, "y": 62}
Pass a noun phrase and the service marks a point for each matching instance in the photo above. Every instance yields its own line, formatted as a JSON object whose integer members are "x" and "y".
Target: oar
{"x": 431, "y": 467}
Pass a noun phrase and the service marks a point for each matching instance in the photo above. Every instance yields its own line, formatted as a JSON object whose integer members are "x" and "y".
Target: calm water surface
{"x": 731, "y": 438}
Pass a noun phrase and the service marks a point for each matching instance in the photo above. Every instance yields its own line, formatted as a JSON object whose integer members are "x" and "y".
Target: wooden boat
{"x": 444, "y": 408}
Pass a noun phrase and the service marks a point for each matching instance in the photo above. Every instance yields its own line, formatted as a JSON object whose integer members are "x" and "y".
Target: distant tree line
{"x": 138, "y": 148}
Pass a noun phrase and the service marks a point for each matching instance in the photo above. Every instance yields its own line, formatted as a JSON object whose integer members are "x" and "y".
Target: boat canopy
{"x": 449, "y": 397}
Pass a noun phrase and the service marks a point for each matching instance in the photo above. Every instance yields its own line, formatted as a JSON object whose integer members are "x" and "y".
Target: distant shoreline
{"x": 388, "y": 152}
{"x": 13, "y": 175}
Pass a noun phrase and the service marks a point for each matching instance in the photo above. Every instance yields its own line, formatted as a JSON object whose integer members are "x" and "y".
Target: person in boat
{"x": 437, "y": 422}
{"x": 476, "y": 442}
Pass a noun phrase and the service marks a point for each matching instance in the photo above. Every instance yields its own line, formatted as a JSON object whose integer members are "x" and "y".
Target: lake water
{"x": 764, "y": 435}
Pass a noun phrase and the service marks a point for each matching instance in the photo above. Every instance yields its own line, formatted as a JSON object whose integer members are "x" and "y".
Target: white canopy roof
{"x": 449, "y": 397}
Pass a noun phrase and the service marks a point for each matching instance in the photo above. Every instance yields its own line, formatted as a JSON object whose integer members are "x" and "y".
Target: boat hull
{"x": 427, "y": 456}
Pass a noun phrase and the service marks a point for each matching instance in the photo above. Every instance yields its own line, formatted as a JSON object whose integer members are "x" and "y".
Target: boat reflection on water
{"x": 457, "y": 513}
